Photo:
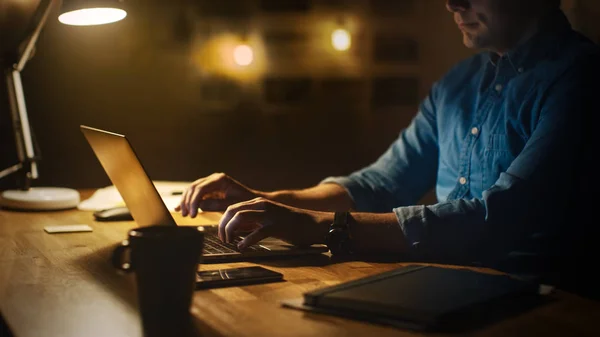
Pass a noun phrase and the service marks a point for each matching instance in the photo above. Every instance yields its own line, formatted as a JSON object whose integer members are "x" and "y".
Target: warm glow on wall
{"x": 230, "y": 55}
{"x": 92, "y": 16}
{"x": 341, "y": 39}
{"x": 243, "y": 55}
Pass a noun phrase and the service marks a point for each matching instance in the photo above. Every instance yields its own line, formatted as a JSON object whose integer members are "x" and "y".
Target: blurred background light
{"x": 230, "y": 55}
{"x": 243, "y": 55}
{"x": 341, "y": 39}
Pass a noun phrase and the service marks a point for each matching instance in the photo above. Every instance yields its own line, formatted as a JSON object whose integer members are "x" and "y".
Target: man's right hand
{"x": 214, "y": 193}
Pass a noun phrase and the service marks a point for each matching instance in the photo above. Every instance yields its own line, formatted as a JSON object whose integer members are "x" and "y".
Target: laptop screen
{"x": 125, "y": 171}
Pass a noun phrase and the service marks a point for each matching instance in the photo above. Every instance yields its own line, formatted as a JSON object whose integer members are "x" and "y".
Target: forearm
{"x": 323, "y": 197}
{"x": 372, "y": 233}
{"x": 376, "y": 233}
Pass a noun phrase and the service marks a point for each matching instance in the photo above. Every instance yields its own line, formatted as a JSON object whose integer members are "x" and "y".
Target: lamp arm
{"x": 45, "y": 7}
{"x": 10, "y": 170}
{"x": 20, "y": 121}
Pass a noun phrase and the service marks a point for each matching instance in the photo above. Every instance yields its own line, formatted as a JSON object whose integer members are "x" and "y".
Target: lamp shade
{"x": 91, "y": 12}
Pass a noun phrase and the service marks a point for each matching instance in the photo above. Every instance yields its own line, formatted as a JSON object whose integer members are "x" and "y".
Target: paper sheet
{"x": 109, "y": 197}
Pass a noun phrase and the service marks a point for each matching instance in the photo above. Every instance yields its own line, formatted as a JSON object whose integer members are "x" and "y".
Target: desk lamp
{"x": 74, "y": 12}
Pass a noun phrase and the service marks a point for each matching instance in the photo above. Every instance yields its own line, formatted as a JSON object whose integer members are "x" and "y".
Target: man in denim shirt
{"x": 502, "y": 137}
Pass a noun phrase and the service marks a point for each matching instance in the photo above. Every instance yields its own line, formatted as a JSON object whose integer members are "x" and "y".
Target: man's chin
{"x": 471, "y": 42}
{"x": 477, "y": 41}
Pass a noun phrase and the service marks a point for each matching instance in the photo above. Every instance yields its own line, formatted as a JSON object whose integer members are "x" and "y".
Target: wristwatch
{"x": 338, "y": 239}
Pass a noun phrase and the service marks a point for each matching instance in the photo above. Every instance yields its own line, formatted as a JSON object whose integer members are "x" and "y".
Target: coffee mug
{"x": 164, "y": 260}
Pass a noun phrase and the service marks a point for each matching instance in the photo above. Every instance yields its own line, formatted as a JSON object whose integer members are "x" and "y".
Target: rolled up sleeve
{"x": 404, "y": 173}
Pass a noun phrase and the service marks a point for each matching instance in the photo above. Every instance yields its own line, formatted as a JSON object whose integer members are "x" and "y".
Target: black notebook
{"x": 421, "y": 297}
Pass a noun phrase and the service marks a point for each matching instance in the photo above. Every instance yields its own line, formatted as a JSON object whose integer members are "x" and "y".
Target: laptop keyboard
{"x": 214, "y": 245}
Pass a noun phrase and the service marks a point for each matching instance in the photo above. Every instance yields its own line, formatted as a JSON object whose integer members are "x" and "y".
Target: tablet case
{"x": 420, "y": 297}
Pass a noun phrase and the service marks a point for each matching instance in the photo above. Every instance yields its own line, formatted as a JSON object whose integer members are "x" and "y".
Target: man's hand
{"x": 265, "y": 218}
{"x": 213, "y": 193}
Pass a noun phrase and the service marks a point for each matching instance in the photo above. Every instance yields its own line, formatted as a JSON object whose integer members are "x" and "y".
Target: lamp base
{"x": 40, "y": 199}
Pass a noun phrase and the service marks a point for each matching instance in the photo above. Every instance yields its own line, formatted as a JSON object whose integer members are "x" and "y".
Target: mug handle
{"x": 117, "y": 257}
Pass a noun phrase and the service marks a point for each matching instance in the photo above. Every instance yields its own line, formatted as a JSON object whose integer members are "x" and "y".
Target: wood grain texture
{"x": 63, "y": 285}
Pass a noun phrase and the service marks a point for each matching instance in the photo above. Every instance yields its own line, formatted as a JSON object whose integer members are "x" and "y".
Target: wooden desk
{"x": 63, "y": 285}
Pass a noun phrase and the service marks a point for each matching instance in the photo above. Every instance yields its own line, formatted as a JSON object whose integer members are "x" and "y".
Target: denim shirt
{"x": 498, "y": 138}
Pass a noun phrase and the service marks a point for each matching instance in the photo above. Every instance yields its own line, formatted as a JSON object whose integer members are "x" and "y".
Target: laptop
{"x": 125, "y": 171}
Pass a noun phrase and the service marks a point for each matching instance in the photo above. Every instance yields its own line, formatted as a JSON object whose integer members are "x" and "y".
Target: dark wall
{"x": 135, "y": 77}
{"x": 100, "y": 77}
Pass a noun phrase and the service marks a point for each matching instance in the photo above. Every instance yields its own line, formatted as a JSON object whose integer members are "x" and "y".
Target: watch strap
{"x": 340, "y": 219}
{"x": 339, "y": 239}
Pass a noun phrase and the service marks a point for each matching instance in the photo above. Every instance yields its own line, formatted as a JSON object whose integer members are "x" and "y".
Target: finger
{"x": 184, "y": 200}
{"x": 255, "y": 237}
{"x": 254, "y": 204}
{"x": 241, "y": 220}
{"x": 188, "y": 197}
{"x": 182, "y": 207}
{"x": 194, "y": 203}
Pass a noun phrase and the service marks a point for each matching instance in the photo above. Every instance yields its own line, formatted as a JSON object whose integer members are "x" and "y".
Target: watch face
{"x": 336, "y": 240}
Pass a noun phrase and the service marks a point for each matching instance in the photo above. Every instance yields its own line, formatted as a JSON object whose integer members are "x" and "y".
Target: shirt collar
{"x": 541, "y": 45}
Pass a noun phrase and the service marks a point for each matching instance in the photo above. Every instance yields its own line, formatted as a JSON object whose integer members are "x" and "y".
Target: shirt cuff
{"x": 412, "y": 222}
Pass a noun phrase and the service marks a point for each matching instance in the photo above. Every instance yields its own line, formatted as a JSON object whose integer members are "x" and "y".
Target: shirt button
{"x": 474, "y": 131}
{"x": 520, "y": 70}
{"x": 462, "y": 180}
{"x": 498, "y": 87}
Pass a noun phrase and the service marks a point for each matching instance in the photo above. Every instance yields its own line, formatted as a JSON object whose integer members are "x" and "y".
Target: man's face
{"x": 491, "y": 24}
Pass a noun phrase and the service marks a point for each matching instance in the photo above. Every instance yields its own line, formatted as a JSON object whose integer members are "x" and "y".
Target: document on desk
{"x": 109, "y": 197}
{"x": 68, "y": 228}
